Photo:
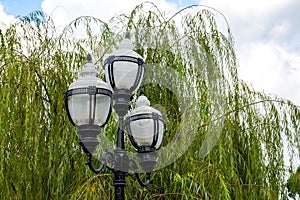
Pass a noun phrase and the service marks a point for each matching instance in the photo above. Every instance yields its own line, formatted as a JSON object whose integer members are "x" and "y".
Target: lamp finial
{"x": 89, "y": 58}
{"x": 127, "y": 35}
{"x": 142, "y": 92}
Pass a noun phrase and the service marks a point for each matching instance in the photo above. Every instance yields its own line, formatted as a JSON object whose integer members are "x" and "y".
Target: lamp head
{"x": 88, "y": 104}
{"x": 145, "y": 126}
{"x": 124, "y": 68}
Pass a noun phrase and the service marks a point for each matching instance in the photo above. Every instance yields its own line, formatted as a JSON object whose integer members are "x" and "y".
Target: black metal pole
{"x": 121, "y": 106}
{"x": 120, "y": 135}
{"x": 119, "y": 179}
{"x": 119, "y": 183}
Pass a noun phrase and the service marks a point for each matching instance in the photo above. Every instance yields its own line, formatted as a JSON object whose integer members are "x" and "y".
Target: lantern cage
{"x": 88, "y": 105}
{"x": 145, "y": 126}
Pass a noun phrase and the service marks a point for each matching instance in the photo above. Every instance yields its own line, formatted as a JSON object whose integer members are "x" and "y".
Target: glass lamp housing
{"x": 145, "y": 126}
{"x": 88, "y": 99}
{"x": 124, "y": 68}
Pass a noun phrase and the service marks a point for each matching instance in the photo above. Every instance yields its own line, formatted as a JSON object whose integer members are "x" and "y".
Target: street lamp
{"x": 88, "y": 103}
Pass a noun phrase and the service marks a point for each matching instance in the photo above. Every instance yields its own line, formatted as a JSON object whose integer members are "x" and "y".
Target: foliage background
{"x": 40, "y": 155}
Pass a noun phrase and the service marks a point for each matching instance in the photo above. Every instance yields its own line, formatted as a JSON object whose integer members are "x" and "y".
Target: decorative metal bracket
{"x": 148, "y": 179}
{"x": 114, "y": 162}
{"x": 89, "y": 163}
{"x": 105, "y": 159}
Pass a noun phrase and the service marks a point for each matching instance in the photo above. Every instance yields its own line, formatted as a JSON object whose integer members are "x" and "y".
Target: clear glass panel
{"x": 102, "y": 109}
{"x": 125, "y": 74}
{"x": 160, "y": 134}
{"x": 142, "y": 131}
{"x": 79, "y": 108}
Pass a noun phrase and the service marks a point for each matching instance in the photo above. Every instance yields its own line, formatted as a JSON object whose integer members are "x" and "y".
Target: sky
{"x": 266, "y": 33}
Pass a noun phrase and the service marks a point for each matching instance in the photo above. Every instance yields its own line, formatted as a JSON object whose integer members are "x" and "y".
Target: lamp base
{"x": 148, "y": 160}
{"x": 122, "y": 98}
{"x": 88, "y": 137}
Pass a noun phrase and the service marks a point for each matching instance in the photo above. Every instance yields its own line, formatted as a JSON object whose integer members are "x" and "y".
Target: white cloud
{"x": 5, "y": 19}
{"x": 245, "y": 9}
{"x": 63, "y": 12}
{"x": 271, "y": 68}
{"x": 267, "y": 38}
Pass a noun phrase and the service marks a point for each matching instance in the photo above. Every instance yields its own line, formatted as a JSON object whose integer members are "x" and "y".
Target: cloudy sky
{"x": 267, "y": 33}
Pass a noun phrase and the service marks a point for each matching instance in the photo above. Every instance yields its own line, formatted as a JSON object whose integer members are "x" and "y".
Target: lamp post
{"x": 89, "y": 101}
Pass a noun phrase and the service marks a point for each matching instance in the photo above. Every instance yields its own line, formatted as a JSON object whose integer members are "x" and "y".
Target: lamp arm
{"x": 148, "y": 179}
{"x": 89, "y": 163}
{"x": 107, "y": 158}
{"x": 134, "y": 167}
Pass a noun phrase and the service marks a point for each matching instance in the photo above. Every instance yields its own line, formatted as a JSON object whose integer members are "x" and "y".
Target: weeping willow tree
{"x": 223, "y": 139}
